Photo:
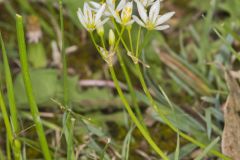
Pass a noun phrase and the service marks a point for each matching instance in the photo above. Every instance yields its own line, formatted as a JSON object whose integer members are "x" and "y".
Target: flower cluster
{"x": 94, "y": 15}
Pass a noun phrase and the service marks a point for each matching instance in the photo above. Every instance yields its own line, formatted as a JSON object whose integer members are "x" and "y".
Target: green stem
{"x": 128, "y": 78}
{"x": 70, "y": 151}
{"x": 8, "y": 148}
{"x": 130, "y": 39}
{"x": 95, "y": 44}
{"x": 134, "y": 118}
{"x": 6, "y": 120}
{"x": 103, "y": 43}
{"x": 120, "y": 36}
{"x": 28, "y": 87}
{"x": 129, "y": 110}
{"x": 67, "y": 117}
{"x": 64, "y": 59}
{"x": 9, "y": 83}
{"x": 130, "y": 86}
{"x": 11, "y": 99}
{"x": 138, "y": 41}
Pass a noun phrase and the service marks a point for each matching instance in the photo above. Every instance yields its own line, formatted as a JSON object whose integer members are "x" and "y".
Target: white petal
{"x": 150, "y": 2}
{"x": 95, "y": 5}
{"x": 154, "y": 11}
{"x": 138, "y": 21}
{"x": 88, "y": 13}
{"x": 121, "y": 5}
{"x": 85, "y": 8}
{"x": 81, "y": 18}
{"x": 163, "y": 27}
{"x": 164, "y": 18}
{"x": 145, "y": 2}
{"x": 110, "y": 4}
{"x": 107, "y": 12}
{"x": 100, "y": 13}
{"x": 118, "y": 20}
{"x": 101, "y": 23}
{"x": 130, "y": 23}
{"x": 114, "y": 14}
{"x": 142, "y": 11}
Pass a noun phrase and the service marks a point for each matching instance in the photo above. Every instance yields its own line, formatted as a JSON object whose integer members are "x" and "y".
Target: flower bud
{"x": 129, "y": 27}
{"x": 100, "y": 31}
{"x": 111, "y": 38}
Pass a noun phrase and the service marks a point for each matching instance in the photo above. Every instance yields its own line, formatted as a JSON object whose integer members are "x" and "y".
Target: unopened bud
{"x": 129, "y": 27}
{"x": 100, "y": 31}
{"x": 111, "y": 38}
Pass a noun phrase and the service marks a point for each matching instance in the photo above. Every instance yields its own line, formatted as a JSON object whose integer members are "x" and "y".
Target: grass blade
{"x": 7, "y": 123}
{"x": 68, "y": 127}
{"x": 207, "y": 149}
{"x": 126, "y": 144}
{"x": 28, "y": 86}
{"x": 11, "y": 99}
{"x": 177, "y": 151}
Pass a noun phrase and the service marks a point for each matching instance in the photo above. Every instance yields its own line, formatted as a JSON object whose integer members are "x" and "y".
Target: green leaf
{"x": 36, "y": 55}
{"x": 177, "y": 152}
{"x": 44, "y": 82}
{"x": 126, "y": 144}
{"x": 208, "y": 148}
{"x": 1, "y": 73}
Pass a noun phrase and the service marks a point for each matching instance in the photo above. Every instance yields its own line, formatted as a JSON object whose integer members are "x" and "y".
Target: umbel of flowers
{"x": 95, "y": 15}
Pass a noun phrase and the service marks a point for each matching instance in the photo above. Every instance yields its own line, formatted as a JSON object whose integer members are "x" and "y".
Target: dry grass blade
{"x": 184, "y": 73}
{"x": 231, "y": 133}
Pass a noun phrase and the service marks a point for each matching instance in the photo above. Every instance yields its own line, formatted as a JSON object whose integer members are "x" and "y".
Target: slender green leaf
{"x": 28, "y": 86}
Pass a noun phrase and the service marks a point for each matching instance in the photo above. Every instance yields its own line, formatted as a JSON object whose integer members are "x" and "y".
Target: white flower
{"x": 111, "y": 4}
{"x": 153, "y": 20}
{"x": 146, "y": 3}
{"x": 125, "y": 17}
{"x": 95, "y": 6}
{"x": 90, "y": 19}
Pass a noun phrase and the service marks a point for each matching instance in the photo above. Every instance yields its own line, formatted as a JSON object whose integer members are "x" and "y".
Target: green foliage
{"x": 203, "y": 35}
{"x": 37, "y": 55}
{"x": 45, "y": 85}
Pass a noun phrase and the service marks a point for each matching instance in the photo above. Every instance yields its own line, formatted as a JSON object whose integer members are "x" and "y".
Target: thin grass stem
{"x": 68, "y": 127}
{"x": 6, "y": 122}
{"x": 28, "y": 86}
{"x": 11, "y": 99}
